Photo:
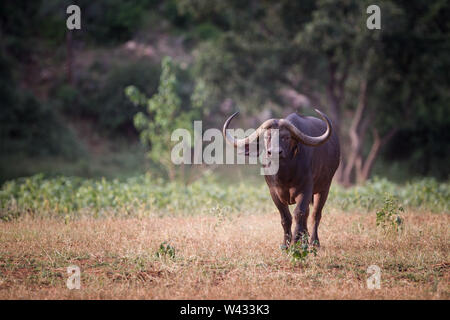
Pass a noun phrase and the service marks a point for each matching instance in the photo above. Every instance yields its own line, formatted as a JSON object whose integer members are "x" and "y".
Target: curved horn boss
{"x": 282, "y": 123}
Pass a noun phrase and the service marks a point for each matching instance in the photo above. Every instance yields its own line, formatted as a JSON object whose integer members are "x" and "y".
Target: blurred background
{"x": 103, "y": 100}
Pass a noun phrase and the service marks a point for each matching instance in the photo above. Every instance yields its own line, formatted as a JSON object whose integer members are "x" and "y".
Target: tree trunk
{"x": 356, "y": 133}
{"x": 333, "y": 99}
{"x": 334, "y": 106}
{"x": 365, "y": 170}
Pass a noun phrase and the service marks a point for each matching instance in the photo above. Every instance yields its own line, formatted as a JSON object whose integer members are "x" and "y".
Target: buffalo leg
{"x": 286, "y": 218}
{"x": 319, "y": 202}
{"x": 301, "y": 213}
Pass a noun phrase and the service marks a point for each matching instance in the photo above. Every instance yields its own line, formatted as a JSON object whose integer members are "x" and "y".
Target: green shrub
{"x": 388, "y": 217}
{"x": 163, "y": 115}
{"x": 147, "y": 195}
{"x": 165, "y": 250}
{"x": 299, "y": 251}
{"x": 99, "y": 94}
{"x": 425, "y": 194}
{"x": 33, "y": 128}
{"x": 117, "y": 112}
{"x": 28, "y": 126}
{"x": 110, "y": 21}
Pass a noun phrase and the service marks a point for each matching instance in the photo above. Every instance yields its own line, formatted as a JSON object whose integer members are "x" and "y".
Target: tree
{"x": 366, "y": 80}
{"x": 164, "y": 115}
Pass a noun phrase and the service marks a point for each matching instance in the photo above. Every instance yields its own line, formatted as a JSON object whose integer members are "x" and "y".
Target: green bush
{"x": 116, "y": 111}
{"x": 299, "y": 251}
{"x": 146, "y": 195}
{"x": 102, "y": 22}
{"x": 388, "y": 217}
{"x": 163, "y": 115}
{"x": 28, "y": 126}
{"x": 113, "y": 20}
{"x": 423, "y": 194}
{"x": 165, "y": 250}
{"x": 33, "y": 128}
{"x": 100, "y": 96}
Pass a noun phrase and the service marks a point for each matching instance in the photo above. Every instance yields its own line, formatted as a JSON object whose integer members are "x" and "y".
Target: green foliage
{"x": 245, "y": 51}
{"x": 165, "y": 250}
{"x": 148, "y": 196}
{"x": 19, "y": 20}
{"x": 99, "y": 94}
{"x": 118, "y": 111}
{"x": 202, "y": 33}
{"x": 163, "y": 116}
{"x": 143, "y": 195}
{"x": 427, "y": 194}
{"x": 389, "y": 215}
{"x": 120, "y": 160}
{"x": 300, "y": 250}
{"x": 221, "y": 213}
{"x": 113, "y": 20}
{"x": 33, "y": 128}
{"x": 299, "y": 45}
{"x": 107, "y": 21}
{"x": 29, "y": 126}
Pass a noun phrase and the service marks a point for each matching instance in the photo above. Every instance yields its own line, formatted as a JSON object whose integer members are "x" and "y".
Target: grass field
{"x": 217, "y": 242}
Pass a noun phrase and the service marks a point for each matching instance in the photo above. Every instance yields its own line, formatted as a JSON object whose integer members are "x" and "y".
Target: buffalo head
{"x": 281, "y": 143}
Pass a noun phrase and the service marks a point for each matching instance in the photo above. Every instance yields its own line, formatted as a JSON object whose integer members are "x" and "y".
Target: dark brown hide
{"x": 305, "y": 172}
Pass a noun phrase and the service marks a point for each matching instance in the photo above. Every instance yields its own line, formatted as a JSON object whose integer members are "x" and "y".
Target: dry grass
{"x": 236, "y": 257}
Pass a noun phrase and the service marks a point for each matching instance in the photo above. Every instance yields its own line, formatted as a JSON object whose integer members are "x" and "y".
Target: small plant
{"x": 389, "y": 215}
{"x": 165, "y": 250}
{"x": 300, "y": 250}
{"x": 221, "y": 214}
{"x": 164, "y": 113}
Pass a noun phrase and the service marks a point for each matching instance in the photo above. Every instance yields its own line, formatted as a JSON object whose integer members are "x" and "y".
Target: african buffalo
{"x": 308, "y": 159}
